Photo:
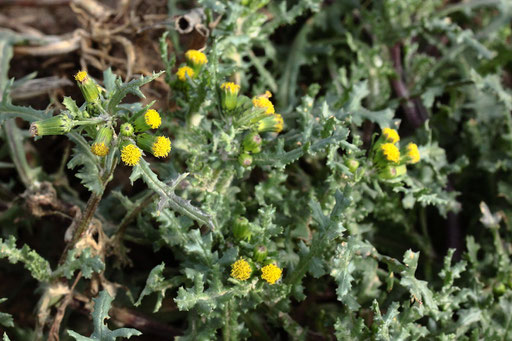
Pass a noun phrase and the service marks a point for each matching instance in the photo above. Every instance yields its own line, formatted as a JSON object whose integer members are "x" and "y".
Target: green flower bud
{"x": 242, "y": 229}
{"x": 101, "y": 144}
{"x": 391, "y": 172}
{"x": 90, "y": 90}
{"x": 126, "y": 130}
{"x": 352, "y": 164}
{"x": 260, "y": 253}
{"x": 229, "y": 95}
{"x": 245, "y": 159}
{"x": 252, "y": 143}
{"x": 56, "y": 125}
{"x": 499, "y": 289}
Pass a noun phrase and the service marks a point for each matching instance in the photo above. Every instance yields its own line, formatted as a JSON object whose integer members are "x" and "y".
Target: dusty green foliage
{"x": 255, "y": 215}
{"x": 101, "y": 331}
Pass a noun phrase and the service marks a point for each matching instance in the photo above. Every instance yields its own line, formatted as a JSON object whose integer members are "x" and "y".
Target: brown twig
{"x": 54, "y": 330}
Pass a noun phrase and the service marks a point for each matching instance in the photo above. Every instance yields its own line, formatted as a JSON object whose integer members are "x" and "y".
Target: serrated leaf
{"x": 122, "y": 89}
{"x": 101, "y": 332}
{"x": 38, "y": 266}
{"x": 70, "y": 104}
{"x": 85, "y": 262}
{"x": 155, "y": 283}
{"x": 89, "y": 173}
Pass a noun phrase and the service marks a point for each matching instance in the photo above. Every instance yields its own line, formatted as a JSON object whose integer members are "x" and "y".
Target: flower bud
{"x": 412, "y": 154}
{"x": 56, "y": 125}
{"x": 260, "y": 253}
{"x": 88, "y": 86}
{"x": 390, "y": 135}
{"x": 242, "y": 229}
{"x": 352, "y": 164}
{"x": 150, "y": 120}
{"x": 391, "y": 172}
{"x": 245, "y": 160}
{"x": 185, "y": 71}
{"x": 252, "y": 143}
{"x": 126, "y": 130}
{"x": 272, "y": 122}
{"x": 101, "y": 143}
{"x": 229, "y": 95}
{"x": 159, "y": 146}
{"x": 196, "y": 59}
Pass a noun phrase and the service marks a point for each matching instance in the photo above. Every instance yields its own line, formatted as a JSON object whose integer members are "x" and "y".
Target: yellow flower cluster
{"x": 413, "y": 153}
{"x": 99, "y": 149}
{"x": 391, "y": 152}
{"x": 131, "y": 154}
{"x": 185, "y": 71}
{"x": 161, "y": 147}
{"x": 264, "y": 103}
{"x": 152, "y": 118}
{"x": 81, "y": 76}
{"x": 391, "y": 135}
{"x": 196, "y": 57}
{"x": 230, "y": 87}
{"x": 241, "y": 270}
{"x": 271, "y": 273}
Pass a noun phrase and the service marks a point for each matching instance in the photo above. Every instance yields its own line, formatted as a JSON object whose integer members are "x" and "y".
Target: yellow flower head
{"x": 130, "y": 155}
{"x": 264, "y": 103}
{"x": 230, "y": 88}
{"x": 152, "y": 118}
{"x": 391, "y": 152}
{"x": 241, "y": 270}
{"x": 196, "y": 57}
{"x": 161, "y": 147}
{"x": 99, "y": 149}
{"x": 391, "y": 135}
{"x": 271, "y": 273}
{"x": 183, "y": 71}
{"x": 413, "y": 153}
{"x": 81, "y": 76}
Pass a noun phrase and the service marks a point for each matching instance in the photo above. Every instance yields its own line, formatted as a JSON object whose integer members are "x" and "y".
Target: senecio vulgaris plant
{"x": 283, "y": 220}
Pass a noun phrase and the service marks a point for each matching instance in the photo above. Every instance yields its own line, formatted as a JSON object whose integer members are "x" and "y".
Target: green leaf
{"x": 89, "y": 173}
{"x": 155, "y": 283}
{"x": 6, "y": 338}
{"x": 8, "y": 110}
{"x": 101, "y": 332}
{"x": 122, "y": 89}
{"x": 70, "y": 104}
{"x": 85, "y": 262}
{"x": 38, "y": 266}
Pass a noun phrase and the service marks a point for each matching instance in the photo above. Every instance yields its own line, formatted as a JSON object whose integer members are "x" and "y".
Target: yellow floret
{"x": 279, "y": 124}
{"x": 241, "y": 270}
{"x": 196, "y": 57}
{"x": 183, "y": 71}
{"x": 271, "y": 273}
{"x": 152, "y": 118}
{"x": 391, "y": 135}
{"x": 391, "y": 152}
{"x": 161, "y": 147}
{"x": 413, "y": 153}
{"x": 99, "y": 149}
{"x": 264, "y": 103}
{"x": 130, "y": 155}
{"x": 230, "y": 87}
{"x": 81, "y": 76}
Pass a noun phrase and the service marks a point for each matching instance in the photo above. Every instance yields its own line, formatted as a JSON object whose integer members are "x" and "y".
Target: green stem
{"x": 128, "y": 218}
